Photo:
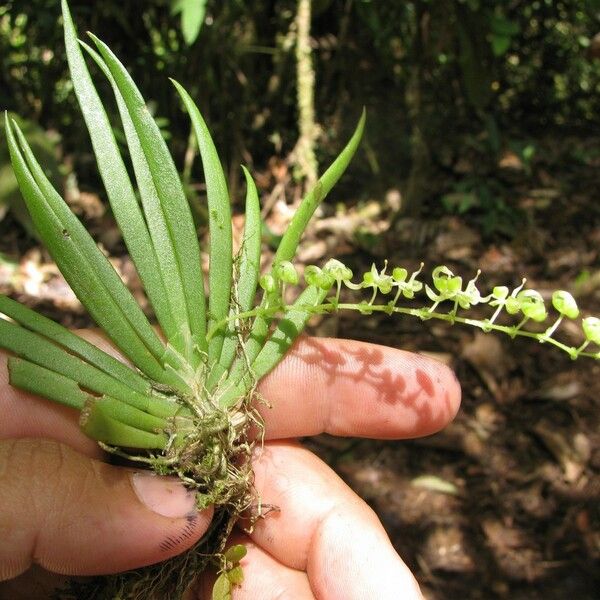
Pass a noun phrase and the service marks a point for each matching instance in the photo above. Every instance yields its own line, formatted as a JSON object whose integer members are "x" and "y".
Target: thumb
{"x": 78, "y": 516}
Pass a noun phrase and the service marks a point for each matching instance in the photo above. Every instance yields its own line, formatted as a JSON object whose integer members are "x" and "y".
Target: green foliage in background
{"x": 192, "y": 17}
{"x": 46, "y": 147}
{"x": 447, "y": 80}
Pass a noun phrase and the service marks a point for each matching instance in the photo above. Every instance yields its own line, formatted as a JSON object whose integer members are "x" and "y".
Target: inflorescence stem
{"x": 446, "y": 287}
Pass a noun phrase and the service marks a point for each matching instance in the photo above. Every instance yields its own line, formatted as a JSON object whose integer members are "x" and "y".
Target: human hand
{"x": 70, "y": 513}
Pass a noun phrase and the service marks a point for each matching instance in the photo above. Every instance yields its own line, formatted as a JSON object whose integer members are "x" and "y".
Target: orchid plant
{"x": 184, "y": 405}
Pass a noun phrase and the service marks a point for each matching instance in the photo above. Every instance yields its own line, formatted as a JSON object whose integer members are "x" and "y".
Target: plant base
{"x": 211, "y": 453}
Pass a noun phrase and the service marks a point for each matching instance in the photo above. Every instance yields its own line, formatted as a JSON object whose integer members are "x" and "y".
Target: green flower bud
{"x": 286, "y": 272}
{"x": 317, "y": 277}
{"x": 532, "y": 305}
{"x": 565, "y": 304}
{"x": 267, "y": 282}
{"x": 399, "y": 274}
{"x": 311, "y": 273}
{"x": 338, "y": 270}
{"x": 441, "y": 276}
{"x": 591, "y": 329}
{"x": 500, "y": 292}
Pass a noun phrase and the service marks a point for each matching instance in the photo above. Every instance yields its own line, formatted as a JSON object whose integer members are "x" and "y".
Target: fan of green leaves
{"x": 200, "y": 346}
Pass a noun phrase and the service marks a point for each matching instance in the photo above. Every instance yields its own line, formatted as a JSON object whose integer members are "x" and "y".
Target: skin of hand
{"x": 65, "y": 511}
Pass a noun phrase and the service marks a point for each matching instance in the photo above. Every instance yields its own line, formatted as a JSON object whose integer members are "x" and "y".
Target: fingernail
{"x": 165, "y": 496}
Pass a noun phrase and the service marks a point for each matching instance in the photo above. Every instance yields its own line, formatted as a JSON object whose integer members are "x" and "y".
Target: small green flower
{"x": 470, "y": 295}
{"x": 565, "y": 304}
{"x": 413, "y": 285}
{"x": 448, "y": 285}
{"x": 532, "y": 305}
{"x": 286, "y": 272}
{"x": 338, "y": 270}
{"x": 445, "y": 281}
{"x": 314, "y": 275}
{"x": 378, "y": 280}
{"x": 591, "y": 329}
{"x": 268, "y": 283}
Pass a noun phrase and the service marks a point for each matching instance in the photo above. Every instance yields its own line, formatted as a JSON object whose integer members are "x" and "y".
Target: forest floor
{"x": 505, "y": 502}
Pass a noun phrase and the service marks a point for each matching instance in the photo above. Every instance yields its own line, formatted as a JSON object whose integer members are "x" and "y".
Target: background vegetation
{"x": 449, "y": 84}
{"x": 482, "y": 148}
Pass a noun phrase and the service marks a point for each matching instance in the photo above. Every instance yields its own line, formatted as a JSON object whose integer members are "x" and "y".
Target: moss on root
{"x": 211, "y": 454}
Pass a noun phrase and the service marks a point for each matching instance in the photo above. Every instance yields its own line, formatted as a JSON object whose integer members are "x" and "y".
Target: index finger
{"x": 342, "y": 387}
{"x": 350, "y": 388}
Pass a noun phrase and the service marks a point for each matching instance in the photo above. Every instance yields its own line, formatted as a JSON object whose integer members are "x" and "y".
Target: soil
{"x": 503, "y": 503}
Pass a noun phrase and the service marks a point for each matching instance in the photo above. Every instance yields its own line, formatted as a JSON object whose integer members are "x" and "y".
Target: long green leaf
{"x": 248, "y": 270}
{"x": 175, "y": 208}
{"x": 41, "y": 381}
{"x": 73, "y": 343}
{"x": 117, "y": 183}
{"x": 87, "y": 273}
{"x": 219, "y": 219}
{"x": 249, "y": 266}
{"x": 99, "y": 263}
{"x": 129, "y": 415}
{"x": 58, "y": 388}
{"x": 160, "y": 238}
{"x": 97, "y": 422}
{"x": 291, "y": 238}
{"x": 36, "y": 349}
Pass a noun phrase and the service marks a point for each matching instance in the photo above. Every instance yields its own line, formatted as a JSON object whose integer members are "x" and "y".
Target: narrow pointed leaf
{"x": 73, "y": 343}
{"x": 248, "y": 270}
{"x": 87, "y": 246}
{"x": 219, "y": 220}
{"x": 41, "y": 381}
{"x": 177, "y": 213}
{"x": 160, "y": 237}
{"x": 87, "y": 271}
{"x": 117, "y": 183}
{"x": 249, "y": 267}
{"x": 97, "y": 422}
{"x": 36, "y": 349}
{"x": 291, "y": 238}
